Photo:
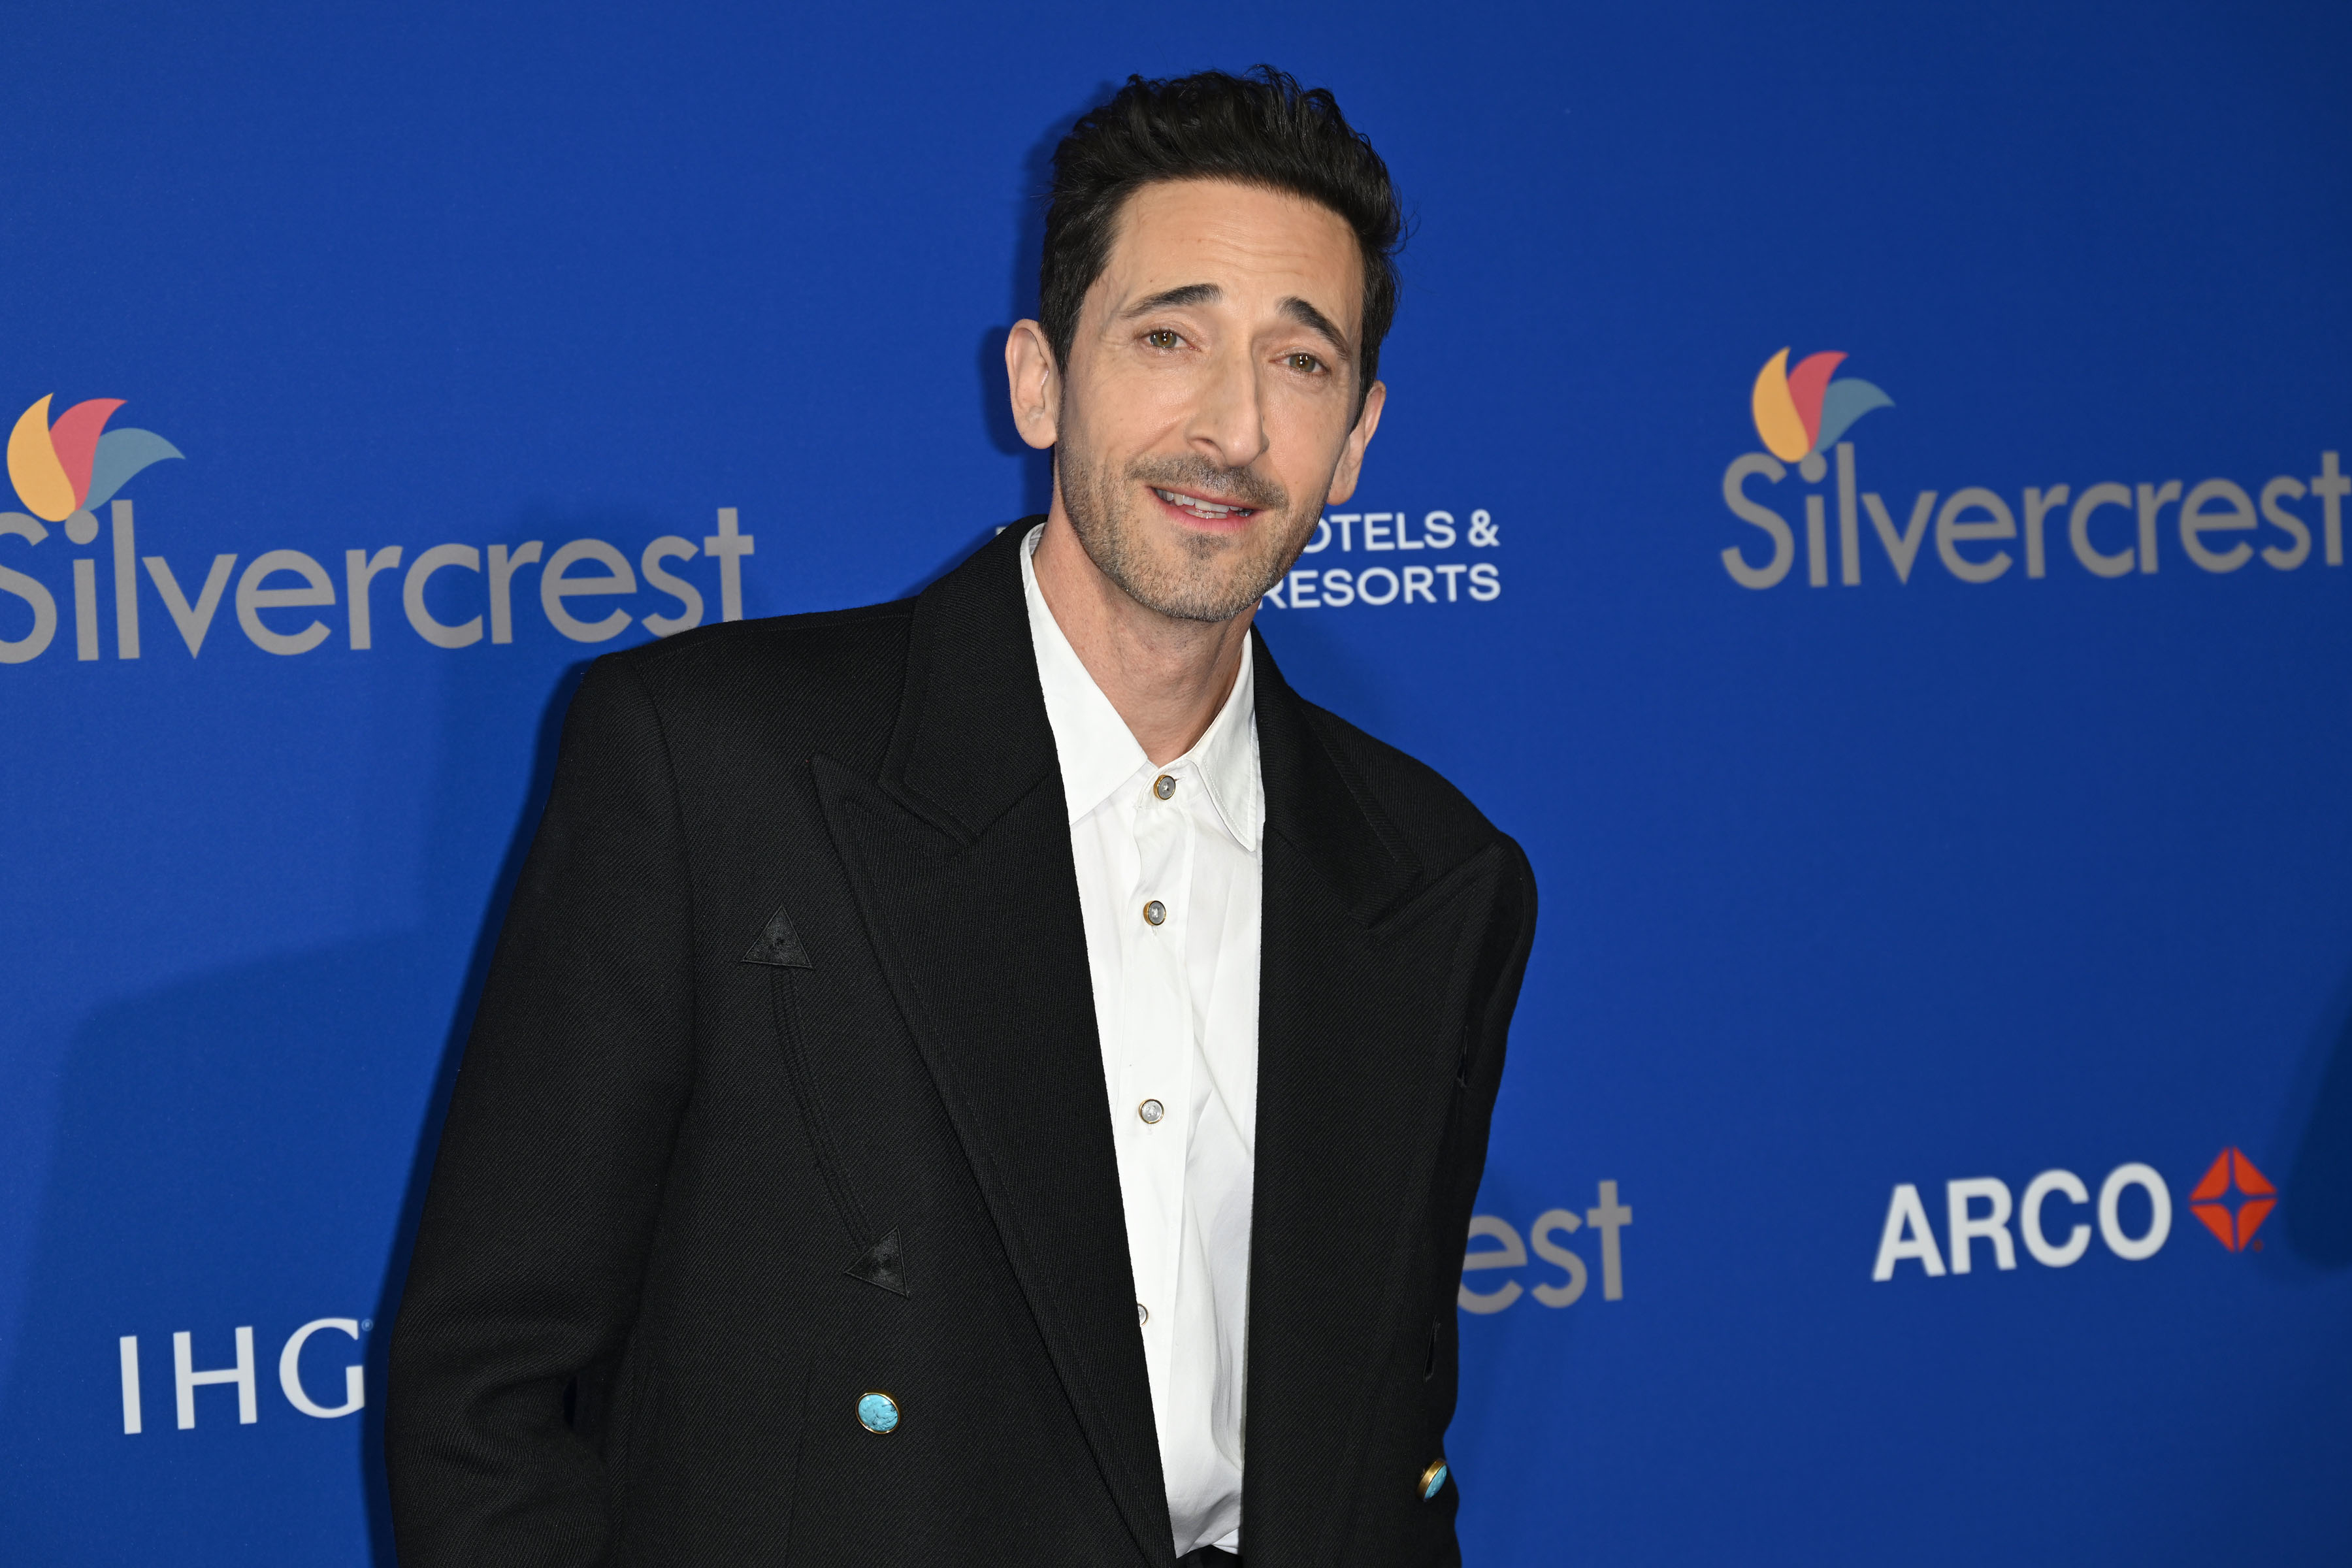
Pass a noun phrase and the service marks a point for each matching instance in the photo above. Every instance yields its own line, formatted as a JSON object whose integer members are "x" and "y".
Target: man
{"x": 953, "y": 1068}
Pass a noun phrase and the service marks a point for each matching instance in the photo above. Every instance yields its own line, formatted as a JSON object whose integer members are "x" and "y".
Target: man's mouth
{"x": 1207, "y": 510}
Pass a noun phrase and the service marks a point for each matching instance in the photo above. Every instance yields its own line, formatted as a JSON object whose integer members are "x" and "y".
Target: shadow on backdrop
{"x": 1021, "y": 303}
{"x": 491, "y": 917}
{"x": 293, "y": 1082}
{"x": 2316, "y": 1208}
{"x": 996, "y": 410}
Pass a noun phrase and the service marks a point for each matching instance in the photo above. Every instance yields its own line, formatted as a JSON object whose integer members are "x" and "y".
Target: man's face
{"x": 1209, "y": 410}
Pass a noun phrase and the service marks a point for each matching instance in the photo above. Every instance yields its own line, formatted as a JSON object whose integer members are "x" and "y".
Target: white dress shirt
{"x": 1176, "y": 1005}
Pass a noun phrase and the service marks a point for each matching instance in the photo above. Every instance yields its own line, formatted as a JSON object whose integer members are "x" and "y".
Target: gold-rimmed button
{"x": 1154, "y": 913}
{"x": 1164, "y": 785}
{"x": 1151, "y": 1111}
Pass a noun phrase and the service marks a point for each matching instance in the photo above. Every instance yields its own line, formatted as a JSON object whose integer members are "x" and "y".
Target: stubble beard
{"x": 1184, "y": 577}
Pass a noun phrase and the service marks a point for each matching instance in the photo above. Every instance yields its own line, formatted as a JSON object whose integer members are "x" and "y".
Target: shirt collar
{"x": 1099, "y": 752}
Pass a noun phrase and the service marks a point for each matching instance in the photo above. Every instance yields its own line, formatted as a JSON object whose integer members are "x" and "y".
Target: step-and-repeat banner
{"x": 1862, "y": 498}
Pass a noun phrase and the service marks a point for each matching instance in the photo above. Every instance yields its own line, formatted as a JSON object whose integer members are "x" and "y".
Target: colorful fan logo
{"x": 1801, "y": 412}
{"x": 76, "y": 464}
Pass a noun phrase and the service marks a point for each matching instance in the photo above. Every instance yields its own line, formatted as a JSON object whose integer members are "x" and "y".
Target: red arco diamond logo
{"x": 2232, "y": 1172}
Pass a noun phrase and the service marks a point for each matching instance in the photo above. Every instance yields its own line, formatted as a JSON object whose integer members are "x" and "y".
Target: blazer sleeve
{"x": 1502, "y": 966}
{"x": 1494, "y": 997}
{"x": 536, "y": 1225}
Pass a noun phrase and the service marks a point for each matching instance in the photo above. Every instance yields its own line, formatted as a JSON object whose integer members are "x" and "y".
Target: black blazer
{"x": 785, "y": 1087}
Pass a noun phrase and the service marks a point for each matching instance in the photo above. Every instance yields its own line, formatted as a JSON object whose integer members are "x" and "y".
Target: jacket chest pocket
{"x": 816, "y": 1124}
{"x": 878, "y": 1258}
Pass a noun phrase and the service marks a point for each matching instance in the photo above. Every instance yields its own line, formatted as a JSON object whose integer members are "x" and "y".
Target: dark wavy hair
{"x": 1260, "y": 129}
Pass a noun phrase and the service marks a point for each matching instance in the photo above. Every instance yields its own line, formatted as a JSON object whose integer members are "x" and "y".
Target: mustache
{"x": 1243, "y": 485}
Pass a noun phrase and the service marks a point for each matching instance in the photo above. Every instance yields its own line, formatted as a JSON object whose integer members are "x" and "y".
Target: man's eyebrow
{"x": 1175, "y": 299}
{"x": 1308, "y": 316}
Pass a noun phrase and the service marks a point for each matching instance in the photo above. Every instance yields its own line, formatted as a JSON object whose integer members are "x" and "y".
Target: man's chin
{"x": 1184, "y": 586}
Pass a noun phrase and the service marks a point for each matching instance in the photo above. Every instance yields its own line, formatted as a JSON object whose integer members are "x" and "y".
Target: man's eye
{"x": 1305, "y": 362}
{"x": 1161, "y": 338}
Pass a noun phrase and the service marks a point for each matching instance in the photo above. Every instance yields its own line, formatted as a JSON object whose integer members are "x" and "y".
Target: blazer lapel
{"x": 960, "y": 856}
{"x": 1361, "y": 1000}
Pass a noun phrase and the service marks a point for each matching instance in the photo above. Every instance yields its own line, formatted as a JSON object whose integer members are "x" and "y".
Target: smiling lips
{"x": 1206, "y": 510}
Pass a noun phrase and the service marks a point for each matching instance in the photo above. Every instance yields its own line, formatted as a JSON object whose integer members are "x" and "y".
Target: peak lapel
{"x": 973, "y": 738}
{"x": 1364, "y": 971}
{"x": 960, "y": 854}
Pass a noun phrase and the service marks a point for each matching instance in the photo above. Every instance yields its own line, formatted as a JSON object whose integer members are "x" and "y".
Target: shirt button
{"x": 1164, "y": 785}
{"x": 1142, "y": 1314}
{"x": 1151, "y": 1111}
{"x": 1154, "y": 913}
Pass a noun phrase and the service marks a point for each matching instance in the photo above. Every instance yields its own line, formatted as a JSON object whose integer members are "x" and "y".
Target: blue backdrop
{"x": 1911, "y": 851}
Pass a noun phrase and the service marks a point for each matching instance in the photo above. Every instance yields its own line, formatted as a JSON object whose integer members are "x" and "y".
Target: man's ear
{"x": 1351, "y": 456}
{"x": 1036, "y": 385}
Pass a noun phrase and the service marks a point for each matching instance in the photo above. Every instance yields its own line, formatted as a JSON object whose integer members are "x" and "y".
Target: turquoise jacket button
{"x": 1433, "y": 1480}
{"x": 878, "y": 1412}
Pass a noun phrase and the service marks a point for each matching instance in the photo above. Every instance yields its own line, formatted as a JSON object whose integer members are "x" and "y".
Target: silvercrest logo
{"x": 452, "y": 596}
{"x": 2111, "y": 529}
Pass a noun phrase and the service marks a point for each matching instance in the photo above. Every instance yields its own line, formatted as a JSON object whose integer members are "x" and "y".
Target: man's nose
{"x": 1228, "y": 423}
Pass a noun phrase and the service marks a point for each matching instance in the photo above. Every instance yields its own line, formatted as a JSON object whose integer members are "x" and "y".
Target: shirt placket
{"x": 1157, "y": 1018}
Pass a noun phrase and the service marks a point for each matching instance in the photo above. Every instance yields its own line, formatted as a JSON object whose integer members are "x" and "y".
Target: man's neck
{"x": 1167, "y": 678}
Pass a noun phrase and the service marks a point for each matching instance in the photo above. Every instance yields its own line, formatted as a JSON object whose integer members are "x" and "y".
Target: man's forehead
{"x": 1213, "y": 242}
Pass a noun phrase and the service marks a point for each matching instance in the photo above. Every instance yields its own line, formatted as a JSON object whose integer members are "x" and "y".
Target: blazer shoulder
{"x": 1436, "y": 821}
{"x": 767, "y": 641}
{"x": 828, "y": 679}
